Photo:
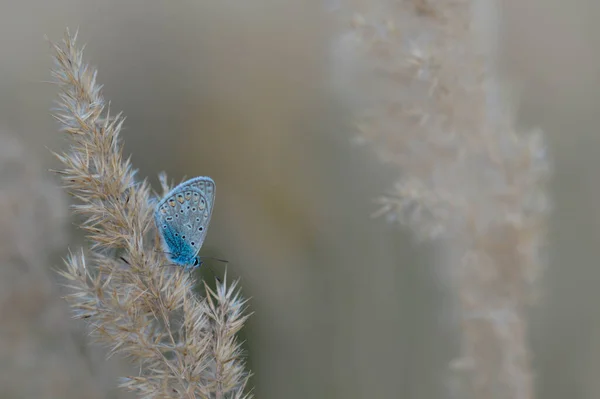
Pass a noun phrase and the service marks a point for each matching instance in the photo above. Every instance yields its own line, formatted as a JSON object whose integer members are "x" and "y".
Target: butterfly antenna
{"x": 214, "y": 275}
{"x": 211, "y": 270}
{"x": 217, "y": 259}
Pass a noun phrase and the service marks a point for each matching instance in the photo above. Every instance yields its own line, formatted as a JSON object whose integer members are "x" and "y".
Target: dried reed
{"x": 184, "y": 345}
{"x": 467, "y": 178}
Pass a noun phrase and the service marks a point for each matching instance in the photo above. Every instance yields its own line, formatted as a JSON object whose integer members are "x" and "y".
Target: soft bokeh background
{"x": 247, "y": 92}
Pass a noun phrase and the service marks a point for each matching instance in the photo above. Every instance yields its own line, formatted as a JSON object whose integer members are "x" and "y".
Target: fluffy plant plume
{"x": 183, "y": 345}
{"x": 466, "y": 176}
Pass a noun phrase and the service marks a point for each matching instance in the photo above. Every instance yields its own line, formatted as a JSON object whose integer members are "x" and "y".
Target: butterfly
{"x": 182, "y": 218}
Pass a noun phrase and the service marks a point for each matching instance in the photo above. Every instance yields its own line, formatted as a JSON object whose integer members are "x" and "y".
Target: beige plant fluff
{"x": 433, "y": 107}
{"x": 184, "y": 346}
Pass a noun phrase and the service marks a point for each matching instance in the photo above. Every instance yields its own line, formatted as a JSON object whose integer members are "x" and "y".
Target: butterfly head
{"x": 194, "y": 264}
{"x": 187, "y": 260}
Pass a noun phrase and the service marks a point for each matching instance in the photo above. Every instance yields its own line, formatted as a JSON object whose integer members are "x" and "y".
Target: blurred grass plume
{"x": 185, "y": 345}
{"x": 439, "y": 115}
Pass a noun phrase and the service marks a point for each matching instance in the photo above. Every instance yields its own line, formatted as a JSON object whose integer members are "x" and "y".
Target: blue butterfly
{"x": 182, "y": 218}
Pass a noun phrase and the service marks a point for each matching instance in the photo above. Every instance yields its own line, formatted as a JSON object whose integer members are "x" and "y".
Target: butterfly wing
{"x": 183, "y": 217}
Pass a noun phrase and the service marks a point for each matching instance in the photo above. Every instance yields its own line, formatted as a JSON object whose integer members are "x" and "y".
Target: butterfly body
{"x": 182, "y": 218}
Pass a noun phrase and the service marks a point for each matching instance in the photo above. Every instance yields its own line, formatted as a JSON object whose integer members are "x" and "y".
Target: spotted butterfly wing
{"x": 182, "y": 218}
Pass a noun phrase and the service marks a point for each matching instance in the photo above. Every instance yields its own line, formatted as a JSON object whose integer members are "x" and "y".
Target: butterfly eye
{"x": 196, "y": 262}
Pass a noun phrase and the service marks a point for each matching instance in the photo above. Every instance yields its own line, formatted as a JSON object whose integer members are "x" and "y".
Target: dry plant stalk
{"x": 467, "y": 177}
{"x": 185, "y": 346}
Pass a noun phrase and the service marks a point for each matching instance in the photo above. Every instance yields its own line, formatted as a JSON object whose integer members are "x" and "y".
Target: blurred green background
{"x": 346, "y": 306}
